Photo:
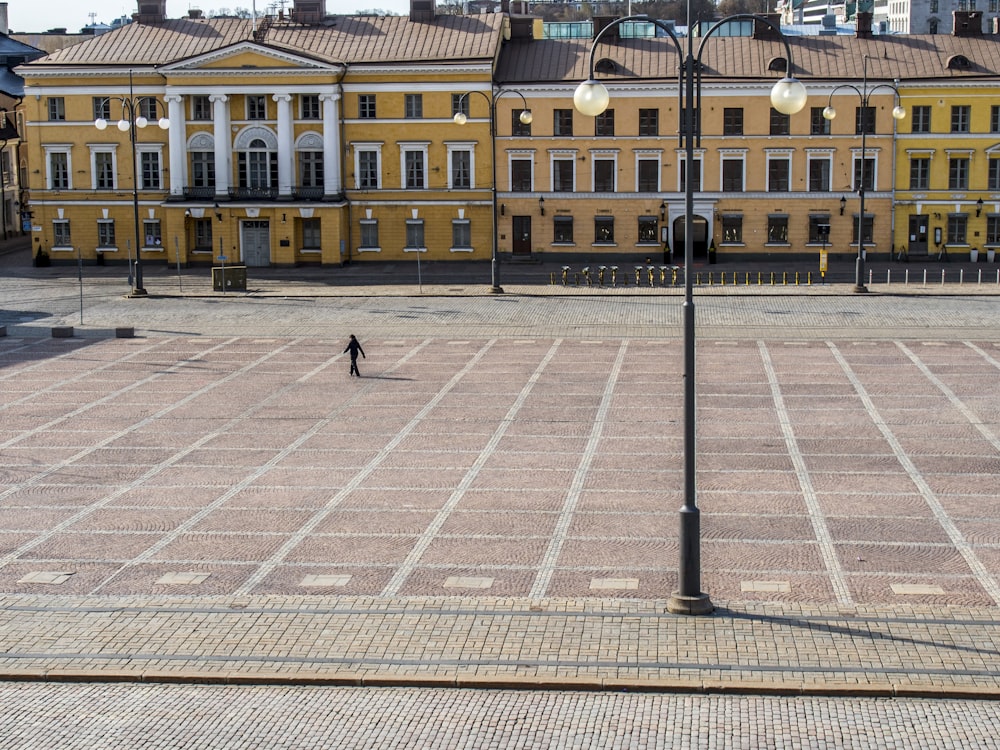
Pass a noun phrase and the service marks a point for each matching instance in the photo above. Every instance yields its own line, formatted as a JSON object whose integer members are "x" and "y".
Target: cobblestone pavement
{"x": 234, "y": 718}
{"x": 494, "y": 503}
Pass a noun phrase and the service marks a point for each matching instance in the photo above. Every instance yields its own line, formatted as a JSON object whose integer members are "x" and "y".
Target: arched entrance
{"x": 700, "y": 249}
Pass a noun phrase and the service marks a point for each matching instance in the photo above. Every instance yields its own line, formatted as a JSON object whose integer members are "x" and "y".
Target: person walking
{"x": 354, "y": 347}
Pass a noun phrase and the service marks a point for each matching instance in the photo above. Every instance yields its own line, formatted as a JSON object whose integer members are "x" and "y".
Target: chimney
{"x": 863, "y": 22}
{"x": 151, "y": 11}
{"x": 194, "y": 13}
{"x": 422, "y": 11}
{"x": 967, "y": 23}
{"x": 764, "y": 31}
{"x": 601, "y": 23}
{"x": 308, "y": 11}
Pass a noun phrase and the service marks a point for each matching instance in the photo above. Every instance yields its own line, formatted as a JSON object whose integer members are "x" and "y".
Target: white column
{"x": 331, "y": 145}
{"x": 178, "y": 152}
{"x": 286, "y": 144}
{"x": 223, "y": 144}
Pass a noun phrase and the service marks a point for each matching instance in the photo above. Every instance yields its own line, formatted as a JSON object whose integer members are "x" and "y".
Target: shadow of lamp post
{"x": 788, "y": 96}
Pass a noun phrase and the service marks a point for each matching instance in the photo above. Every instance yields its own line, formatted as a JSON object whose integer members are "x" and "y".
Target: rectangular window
{"x": 604, "y": 175}
{"x": 415, "y": 234}
{"x": 780, "y": 123}
{"x": 60, "y": 233}
{"x": 869, "y": 174}
{"x": 58, "y": 170}
{"x": 732, "y": 229}
{"x": 201, "y": 108}
{"x": 819, "y": 175}
{"x": 778, "y": 174}
{"x": 732, "y": 121}
{"x": 960, "y": 118}
{"x": 369, "y": 233}
{"x": 777, "y": 230}
{"x": 562, "y": 230}
{"x": 562, "y": 122}
{"x": 993, "y": 230}
{"x": 203, "y": 169}
{"x": 106, "y": 233}
{"x": 104, "y": 170}
{"x": 562, "y": 175}
{"x": 366, "y": 106}
{"x": 151, "y": 233}
{"x": 920, "y": 173}
{"x": 649, "y": 122}
{"x": 256, "y": 107}
{"x": 957, "y": 229}
{"x": 995, "y": 119}
{"x": 648, "y": 225}
{"x": 819, "y": 230}
{"x": 921, "y": 117}
{"x": 311, "y": 169}
{"x": 57, "y": 108}
{"x": 520, "y": 175}
{"x": 414, "y": 106}
{"x": 459, "y": 104}
{"x": 312, "y": 235}
{"x": 148, "y": 108}
{"x": 415, "y": 174}
{"x": 203, "y": 234}
{"x": 604, "y": 230}
{"x": 517, "y": 127}
{"x": 150, "y": 171}
{"x": 649, "y": 175}
{"x": 461, "y": 170}
{"x": 864, "y": 120}
{"x": 818, "y": 125}
{"x": 309, "y": 105}
{"x": 102, "y": 108}
{"x": 958, "y": 173}
{"x": 732, "y": 175}
{"x": 869, "y": 228}
{"x": 604, "y": 123}
{"x": 993, "y": 175}
{"x": 461, "y": 233}
{"x": 368, "y": 170}
{"x": 695, "y": 177}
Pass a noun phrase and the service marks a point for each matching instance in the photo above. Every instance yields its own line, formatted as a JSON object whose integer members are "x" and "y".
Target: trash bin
{"x": 229, "y": 278}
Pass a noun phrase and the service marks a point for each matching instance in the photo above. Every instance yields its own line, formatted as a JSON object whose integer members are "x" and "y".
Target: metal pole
{"x": 859, "y": 269}
{"x": 689, "y": 598}
{"x": 495, "y": 287}
{"x": 138, "y": 290}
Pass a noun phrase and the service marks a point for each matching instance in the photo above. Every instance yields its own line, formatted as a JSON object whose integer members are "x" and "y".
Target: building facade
{"x": 316, "y": 139}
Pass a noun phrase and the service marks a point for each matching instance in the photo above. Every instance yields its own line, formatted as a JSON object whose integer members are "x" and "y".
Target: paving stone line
{"x": 406, "y": 568}
{"x": 958, "y": 540}
{"x": 816, "y": 517}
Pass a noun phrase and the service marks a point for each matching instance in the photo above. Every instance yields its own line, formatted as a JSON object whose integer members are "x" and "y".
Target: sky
{"x": 27, "y": 17}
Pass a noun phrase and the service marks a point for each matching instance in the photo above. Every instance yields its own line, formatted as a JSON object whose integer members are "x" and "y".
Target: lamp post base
{"x": 137, "y": 292}
{"x": 496, "y": 289}
{"x": 860, "y": 289}
{"x": 678, "y": 604}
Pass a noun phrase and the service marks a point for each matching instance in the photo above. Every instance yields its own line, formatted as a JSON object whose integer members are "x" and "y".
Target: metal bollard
{"x": 772, "y": 278}
{"x": 888, "y": 276}
{"x": 565, "y": 274}
{"x": 784, "y": 278}
{"x": 576, "y": 279}
{"x": 796, "y": 278}
{"x": 697, "y": 279}
{"x": 809, "y": 278}
{"x": 552, "y": 277}
{"x": 942, "y": 277}
{"x": 638, "y": 275}
{"x": 711, "y": 278}
{"x": 586, "y": 275}
{"x": 649, "y": 270}
{"x": 906, "y": 277}
{"x": 600, "y": 274}
{"x": 961, "y": 276}
{"x": 663, "y": 275}
{"x": 614, "y": 275}
{"x": 673, "y": 277}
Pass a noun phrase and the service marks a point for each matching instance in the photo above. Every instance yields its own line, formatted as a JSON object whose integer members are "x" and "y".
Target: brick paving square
{"x": 352, "y": 549}
{"x": 217, "y": 546}
{"x": 407, "y": 522}
{"x": 485, "y": 551}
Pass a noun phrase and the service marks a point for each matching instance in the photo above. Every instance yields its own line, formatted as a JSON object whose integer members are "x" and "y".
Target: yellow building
{"x": 315, "y": 139}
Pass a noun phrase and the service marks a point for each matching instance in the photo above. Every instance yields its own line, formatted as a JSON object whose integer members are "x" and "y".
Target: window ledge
{"x": 310, "y": 250}
{"x": 63, "y": 249}
{"x": 461, "y": 250}
{"x": 152, "y": 249}
{"x": 369, "y": 249}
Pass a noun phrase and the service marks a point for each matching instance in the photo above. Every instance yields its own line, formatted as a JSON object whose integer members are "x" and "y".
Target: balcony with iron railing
{"x": 262, "y": 194}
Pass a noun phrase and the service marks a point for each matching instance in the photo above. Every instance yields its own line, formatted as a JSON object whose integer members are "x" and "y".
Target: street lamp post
{"x": 829, "y": 113}
{"x": 461, "y": 118}
{"x": 132, "y": 118}
{"x": 788, "y": 96}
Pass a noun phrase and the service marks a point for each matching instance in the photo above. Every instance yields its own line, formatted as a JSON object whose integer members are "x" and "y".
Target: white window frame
{"x": 856, "y": 156}
{"x": 423, "y": 236}
{"x": 650, "y": 155}
{"x": 107, "y": 248}
{"x": 468, "y": 147}
{"x": 699, "y": 163}
{"x": 409, "y": 148}
{"x": 724, "y": 156}
{"x": 468, "y": 227}
{"x": 104, "y": 148}
{"x": 604, "y": 155}
{"x": 69, "y": 230}
{"x": 783, "y": 155}
{"x": 51, "y": 149}
{"x": 148, "y": 221}
{"x": 825, "y": 155}
{"x": 150, "y": 148}
{"x": 377, "y": 248}
{"x": 367, "y": 147}
{"x": 528, "y": 156}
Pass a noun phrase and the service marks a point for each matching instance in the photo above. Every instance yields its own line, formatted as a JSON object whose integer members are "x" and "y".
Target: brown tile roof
{"x": 825, "y": 57}
{"x": 351, "y": 39}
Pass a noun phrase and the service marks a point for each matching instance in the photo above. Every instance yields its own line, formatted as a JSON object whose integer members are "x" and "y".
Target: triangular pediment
{"x": 246, "y": 56}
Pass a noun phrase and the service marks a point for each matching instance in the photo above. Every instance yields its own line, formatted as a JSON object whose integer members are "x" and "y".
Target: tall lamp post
{"x": 788, "y": 96}
{"x": 461, "y": 118}
{"x": 132, "y": 119}
{"x": 829, "y": 113}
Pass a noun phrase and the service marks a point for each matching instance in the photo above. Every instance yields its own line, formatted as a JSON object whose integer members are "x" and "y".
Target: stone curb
{"x": 472, "y": 682}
